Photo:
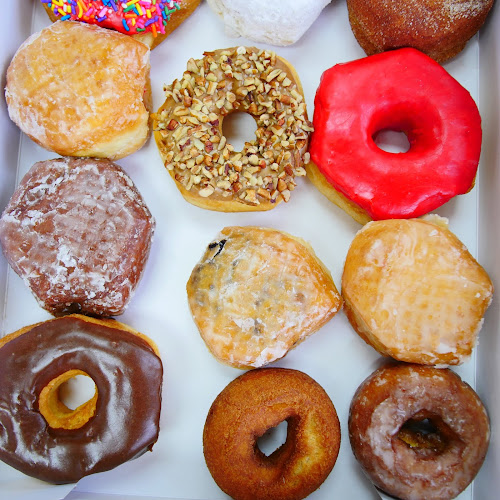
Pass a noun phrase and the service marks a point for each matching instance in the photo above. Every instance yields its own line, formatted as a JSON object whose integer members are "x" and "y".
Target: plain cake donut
{"x": 42, "y": 437}
{"x": 419, "y": 433}
{"x": 252, "y": 404}
{"x": 256, "y": 293}
{"x": 413, "y": 291}
{"x": 78, "y": 232}
{"x": 440, "y": 29}
{"x": 80, "y": 90}
{"x": 207, "y": 170}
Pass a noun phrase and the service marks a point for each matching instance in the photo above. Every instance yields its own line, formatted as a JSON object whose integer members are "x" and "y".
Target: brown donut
{"x": 79, "y": 233}
{"x": 419, "y": 433}
{"x": 438, "y": 28}
{"x": 252, "y": 404}
{"x": 42, "y": 437}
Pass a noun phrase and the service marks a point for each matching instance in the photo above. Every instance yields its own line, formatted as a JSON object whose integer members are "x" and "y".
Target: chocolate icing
{"x": 128, "y": 376}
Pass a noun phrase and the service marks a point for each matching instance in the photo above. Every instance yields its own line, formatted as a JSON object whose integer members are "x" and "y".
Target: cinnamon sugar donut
{"x": 256, "y": 293}
{"x": 207, "y": 170}
{"x": 148, "y": 22}
{"x": 45, "y": 439}
{"x": 440, "y": 29}
{"x": 419, "y": 433}
{"x": 78, "y": 232}
{"x": 413, "y": 291}
{"x": 80, "y": 90}
{"x": 252, "y": 404}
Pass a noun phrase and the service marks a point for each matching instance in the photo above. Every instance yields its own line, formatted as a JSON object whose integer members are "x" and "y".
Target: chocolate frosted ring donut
{"x": 252, "y": 404}
{"x": 43, "y": 438}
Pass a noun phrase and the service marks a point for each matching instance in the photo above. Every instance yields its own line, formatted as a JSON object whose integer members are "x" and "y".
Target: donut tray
{"x": 335, "y": 356}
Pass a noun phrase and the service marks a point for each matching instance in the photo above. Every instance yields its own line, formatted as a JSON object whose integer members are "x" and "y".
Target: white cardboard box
{"x": 335, "y": 356}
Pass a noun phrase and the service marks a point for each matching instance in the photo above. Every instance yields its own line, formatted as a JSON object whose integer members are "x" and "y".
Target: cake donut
{"x": 80, "y": 90}
{"x": 418, "y": 432}
{"x": 439, "y": 29}
{"x": 149, "y": 21}
{"x": 78, "y": 232}
{"x": 189, "y": 130}
{"x": 280, "y": 22}
{"x": 413, "y": 291}
{"x": 409, "y": 93}
{"x": 254, "y": 403}
{"x": 256, "y": 293}
{"x": 45, "y": 439}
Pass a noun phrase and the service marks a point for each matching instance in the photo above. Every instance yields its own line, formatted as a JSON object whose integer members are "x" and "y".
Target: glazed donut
{"x": 146, "y": 21}
{"x": 419, "y": 433}
{"x": 409, "y": 93}
{"x": 254, "y": 403}
{"x": 439, "y": 29}
{"x": 42, "y": 437}
{"x": 78, "y": 232}
{"x": 413, "y": 291}
{"x": 280, "y": 22}
{"x": 188, "y": 130}
{"x": 256, "y": 293}
{"x": 80, "y": 90}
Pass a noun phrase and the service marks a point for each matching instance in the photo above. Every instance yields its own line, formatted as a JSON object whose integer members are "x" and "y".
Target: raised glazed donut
{"x": 410, "y": 93}
{"x": 80, "y": 90}
{"x": 188, "y": 130}
{"x": 279, "y": 22}
{"x": 251, "y": 405}
{"x": 440, "y": 29}
{"x": 419, "y": 433}
{"x": 413, "y": 291}
{"x": 78, "y": 232}
{"x": 43, "y": 438}
{"x": 148, "y": 21}
{"x": 256, "y": 293}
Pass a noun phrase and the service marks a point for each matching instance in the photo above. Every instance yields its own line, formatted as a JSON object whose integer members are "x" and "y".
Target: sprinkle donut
{"x": 409, "y": 93}
{"x": 188, "y": 130}
{"x": 419, "y": 433}
{"x": 40, "y": 435}
{"x": 252, "y": 404}
{"x": 148, "y": 21}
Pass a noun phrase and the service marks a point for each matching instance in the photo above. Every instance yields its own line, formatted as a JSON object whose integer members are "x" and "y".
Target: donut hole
{"x": 392, "y": 141}
{"x": 239, "y": 128}
{"x": 273, "y": 439}
{"x": 426, "y": 433}
{"x": 68, "y": 401}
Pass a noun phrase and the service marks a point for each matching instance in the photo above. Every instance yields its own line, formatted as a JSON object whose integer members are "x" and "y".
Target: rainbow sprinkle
{"x": 132, "y": 17}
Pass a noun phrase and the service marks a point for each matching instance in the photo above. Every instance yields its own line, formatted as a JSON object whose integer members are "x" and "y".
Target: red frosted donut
{"x": 406, "y": 91}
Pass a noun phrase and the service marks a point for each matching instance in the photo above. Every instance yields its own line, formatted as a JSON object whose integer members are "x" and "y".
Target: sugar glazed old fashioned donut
{"x": 441, "y": 29}
{"x": 40, "y": 435}
{"x": 413, "y": 291}
{"x": 280, "y": 22}
{"x": 256, "y": 293}
{"x": 188, "y": 130}
{"x": 79, "y": 233}
{"x": 149, "y": 21}
{"x": 419, "y": 433}
{"x": 254, "y": 403}
{"x": 80, "y": 90}
{"x": 409, "y": 93}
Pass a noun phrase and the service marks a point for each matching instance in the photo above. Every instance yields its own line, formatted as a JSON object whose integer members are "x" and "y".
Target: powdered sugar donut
{"x": 280, "y": 22}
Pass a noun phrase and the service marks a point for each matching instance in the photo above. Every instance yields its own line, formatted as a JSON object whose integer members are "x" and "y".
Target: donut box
{"x": 334, "y": 356}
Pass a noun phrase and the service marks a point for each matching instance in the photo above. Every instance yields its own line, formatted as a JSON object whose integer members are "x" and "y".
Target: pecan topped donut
{"x": 188, "y": 130}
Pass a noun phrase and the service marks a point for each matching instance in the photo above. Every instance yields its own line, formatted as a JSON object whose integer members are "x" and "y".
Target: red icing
{"x": 402, "y": 90}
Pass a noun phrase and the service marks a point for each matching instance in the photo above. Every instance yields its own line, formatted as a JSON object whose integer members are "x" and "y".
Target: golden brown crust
{"x": 103, "y": 74}
{"x": 257, "y": 293}
{"x": 418, "y": 432}
{"x": 207, "y": 170}
{"x": 248, "y": 407}
{"x": 438, "y": 28}
{"x": 413, "y": 291}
